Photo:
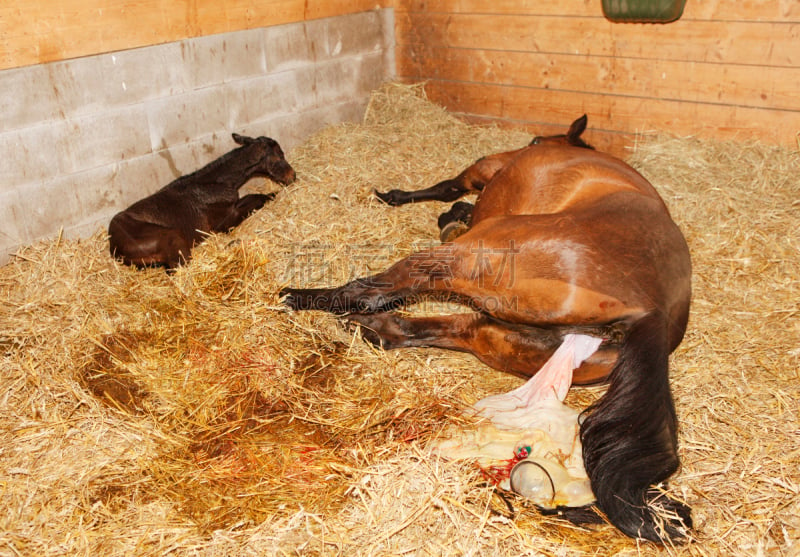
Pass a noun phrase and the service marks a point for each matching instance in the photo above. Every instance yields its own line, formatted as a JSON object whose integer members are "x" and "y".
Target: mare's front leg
{"x": 447, "y": 190}
{"x": 427, "y": 271}
{"x": 471, "y": 180}
{"x": 230, "y": 216}
{"x": 365, "y": 295}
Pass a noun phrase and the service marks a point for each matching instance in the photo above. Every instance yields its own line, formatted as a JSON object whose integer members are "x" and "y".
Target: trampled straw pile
{"x": 150, "y": 414}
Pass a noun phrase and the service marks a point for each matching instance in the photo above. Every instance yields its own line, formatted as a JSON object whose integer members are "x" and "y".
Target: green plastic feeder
{"x": 643, "y": 11}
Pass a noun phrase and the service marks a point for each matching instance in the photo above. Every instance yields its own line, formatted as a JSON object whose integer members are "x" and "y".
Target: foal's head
{"x": 271, "y": 162}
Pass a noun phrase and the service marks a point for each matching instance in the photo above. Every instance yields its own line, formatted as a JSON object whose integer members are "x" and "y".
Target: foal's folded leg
{"x": 232, "y": 215}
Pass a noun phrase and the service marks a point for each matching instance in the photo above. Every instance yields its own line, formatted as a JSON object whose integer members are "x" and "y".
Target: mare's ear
{"x": 577, "y": 127}
{"x": 241, "y": 139}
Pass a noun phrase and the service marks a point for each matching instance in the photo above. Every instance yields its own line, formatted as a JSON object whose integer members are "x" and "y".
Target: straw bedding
{"x": 144, "y": 413}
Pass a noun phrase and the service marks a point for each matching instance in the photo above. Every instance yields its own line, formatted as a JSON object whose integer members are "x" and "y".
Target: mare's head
{"x": 572, "y": 137}
{"x": 269, "y": 157}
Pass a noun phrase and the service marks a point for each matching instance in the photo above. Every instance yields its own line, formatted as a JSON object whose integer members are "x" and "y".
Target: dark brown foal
{"x": 162, "y": 229}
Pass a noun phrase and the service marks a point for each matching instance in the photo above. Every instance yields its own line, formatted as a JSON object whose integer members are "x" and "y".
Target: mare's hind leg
{"x": 471, "y": 180}
{"x": 629, "y": 436}
{"x": 518, "y": 349}
{"x": 229, "y": 216}
{"x": 488, "y": 270}
{"x": 455, "y": 222}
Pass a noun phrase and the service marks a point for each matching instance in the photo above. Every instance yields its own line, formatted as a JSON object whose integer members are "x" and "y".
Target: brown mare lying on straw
{"x": 160, "y": 230}
{"x": 562, "y": 239}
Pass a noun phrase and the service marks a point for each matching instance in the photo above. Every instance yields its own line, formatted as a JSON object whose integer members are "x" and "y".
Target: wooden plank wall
{"x": 728, "y": 69}
{"x": 37, "y": 31}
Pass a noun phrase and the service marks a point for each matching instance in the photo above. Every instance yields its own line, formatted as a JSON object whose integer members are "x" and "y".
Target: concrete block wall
{"x": 81, "y": 139}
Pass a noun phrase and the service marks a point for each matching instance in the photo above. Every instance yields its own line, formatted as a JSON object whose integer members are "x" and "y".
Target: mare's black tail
{"x": 630, "y": 442}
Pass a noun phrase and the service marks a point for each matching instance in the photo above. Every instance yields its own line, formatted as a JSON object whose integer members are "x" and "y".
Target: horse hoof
{"x": 389, "y": 197}
{"x": 452, "y": 231}
{"x": 288, "y": 298}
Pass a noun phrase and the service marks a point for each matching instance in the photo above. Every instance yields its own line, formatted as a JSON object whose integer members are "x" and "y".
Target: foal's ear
{"x": 241, "y": 139}
{"x": 577, "y": 127}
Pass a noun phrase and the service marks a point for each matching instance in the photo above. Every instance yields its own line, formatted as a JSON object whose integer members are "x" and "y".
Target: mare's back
{"x": 552, "y": 196}
{"x": 546, "y": 179}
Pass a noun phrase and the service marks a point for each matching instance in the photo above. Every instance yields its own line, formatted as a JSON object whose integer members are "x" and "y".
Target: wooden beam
{"x": 781, "y": 11}
{"x": 37, "y": 31}
{"x": 534, "y": 107}
{"x": 756, "y": 43}
{"x": 659, "y": 79}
